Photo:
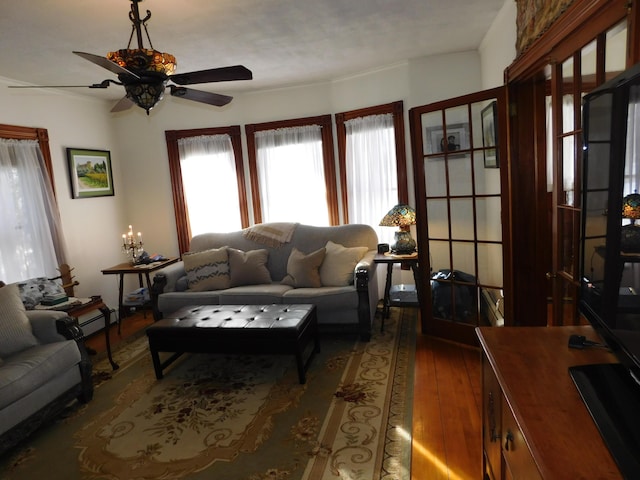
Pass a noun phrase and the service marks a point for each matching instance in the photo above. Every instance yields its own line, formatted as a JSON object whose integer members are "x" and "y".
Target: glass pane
{"x": 437, "y": 219}
{"x": 456, "y": 136}
{"x": 567, "y": 230}
{"x": 464, "y": 258}
{"x": 567, "y": 96}
{"x": 615, "y": 49}
{"x": 487, "y": 180}
{"x": 488, "y": 215}
{"x": 462, "y": 219}
{"x": 588, "y": 66}
{"x": 460, "y": 175}
{"x": 600, "y": 130}
{"x": 490, "y": 264}
{"x": 439, "y": 255}
{"x": 435, "y": 176}
{"x": 568, "y": 170}
{"x": 476, "y": 122}
{"x": 433, "y": 132}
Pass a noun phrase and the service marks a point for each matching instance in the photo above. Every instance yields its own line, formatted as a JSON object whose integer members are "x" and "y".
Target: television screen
{"x": 610, "y": 262}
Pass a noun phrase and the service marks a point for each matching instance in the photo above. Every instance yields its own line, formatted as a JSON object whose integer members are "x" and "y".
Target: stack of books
{"x": 54, "y": 299}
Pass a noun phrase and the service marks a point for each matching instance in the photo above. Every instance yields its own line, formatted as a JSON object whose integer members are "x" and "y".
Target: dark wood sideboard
{"x": 534, "y": 422}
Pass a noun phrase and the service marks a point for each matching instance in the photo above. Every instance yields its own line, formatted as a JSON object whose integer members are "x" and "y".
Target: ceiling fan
{"x": 145, "y": 73}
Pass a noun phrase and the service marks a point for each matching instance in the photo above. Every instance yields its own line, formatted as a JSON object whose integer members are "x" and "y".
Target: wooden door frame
{"x": 532, "y": 227}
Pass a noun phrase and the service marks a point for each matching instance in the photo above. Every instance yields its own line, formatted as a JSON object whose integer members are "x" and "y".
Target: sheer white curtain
{"x": 291, "y": 175}
{"x": 632, "y": 164}
{"x": 210, "y": 185}
{"x": 31, "y": 241}
{"x": 372, "y": 179}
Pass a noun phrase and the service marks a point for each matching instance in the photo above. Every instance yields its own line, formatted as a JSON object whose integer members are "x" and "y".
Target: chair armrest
{"x": 44, "y": 325}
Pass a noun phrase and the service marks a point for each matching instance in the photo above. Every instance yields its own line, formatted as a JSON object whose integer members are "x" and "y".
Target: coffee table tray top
{"x": 277, "y": 328}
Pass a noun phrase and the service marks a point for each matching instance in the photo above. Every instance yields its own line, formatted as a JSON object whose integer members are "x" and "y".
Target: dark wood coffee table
{"x": 282, "y": 329}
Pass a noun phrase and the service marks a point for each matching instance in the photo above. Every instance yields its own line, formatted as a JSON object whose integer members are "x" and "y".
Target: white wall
{"x": 498, "y": 48}
{"x": 93, "y": 227}
{"x": 89, "y": 224}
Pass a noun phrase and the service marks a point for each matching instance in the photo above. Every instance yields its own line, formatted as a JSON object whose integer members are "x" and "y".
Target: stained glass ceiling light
{"x": 153, "y": 67}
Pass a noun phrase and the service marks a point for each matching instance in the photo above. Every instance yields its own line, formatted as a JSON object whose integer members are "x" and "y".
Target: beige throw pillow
{"x": 248, "y": 268}
{"x": 15, "y": 328}
{"x": 338, "y": 265}
{"x": 303, "y": 270}
{"x": 207, "y": 270}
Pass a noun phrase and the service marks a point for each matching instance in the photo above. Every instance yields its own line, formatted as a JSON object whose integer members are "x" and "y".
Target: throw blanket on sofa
{"x": 272, "y": 234}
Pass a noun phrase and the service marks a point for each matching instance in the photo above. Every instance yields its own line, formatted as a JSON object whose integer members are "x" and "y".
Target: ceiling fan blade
{"x": 123, "y": 104}
{"x": 103, "y": 84}
{"x": 104, "y": 62}
{"x": 200, "y": 96}
{"x": 222, "y": 74}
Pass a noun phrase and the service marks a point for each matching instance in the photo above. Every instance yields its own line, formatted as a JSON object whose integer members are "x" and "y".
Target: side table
{"x": 141, "y": 270}
{"x": 401, "y": 296}
{"x": 88, "y": 305}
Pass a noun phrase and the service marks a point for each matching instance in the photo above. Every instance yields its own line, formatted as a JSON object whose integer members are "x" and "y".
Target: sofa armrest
{"x": 44, "y": 325}
{"x": 367, "y": 288}
{"x": 165, "y": 280}
{"x": 171, "y": 273}
{"x": 364, "y": 270}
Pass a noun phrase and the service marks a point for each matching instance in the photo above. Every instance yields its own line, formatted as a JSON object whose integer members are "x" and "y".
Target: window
{"x": 373, "y": 170}
{"x": 207, "y": 179}
{"x": 31, "y": 238}
{"x": 292, "y": 171}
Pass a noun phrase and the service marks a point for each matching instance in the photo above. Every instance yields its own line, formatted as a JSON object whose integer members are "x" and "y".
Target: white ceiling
{"x": 283, "y": 42}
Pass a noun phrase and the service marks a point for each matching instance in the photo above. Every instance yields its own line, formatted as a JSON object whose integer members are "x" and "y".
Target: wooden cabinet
{"x": 534, "y": 422}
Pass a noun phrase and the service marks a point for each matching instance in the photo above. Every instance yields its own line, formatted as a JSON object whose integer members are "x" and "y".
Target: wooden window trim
{"x": 29, "y": 133}
{"x": 327, "y": 154}
{"x": 177, "y": 187}
{"x": 397, "y": 110}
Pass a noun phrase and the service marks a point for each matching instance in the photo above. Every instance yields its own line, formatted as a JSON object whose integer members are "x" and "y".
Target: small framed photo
{"x": 490, "y": 136}
{"x": 456, "y": 138}
{"x": 90, "y": 173}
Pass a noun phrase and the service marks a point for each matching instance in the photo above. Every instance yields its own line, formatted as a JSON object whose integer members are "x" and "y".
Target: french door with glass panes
{"x": 459, "y": 149}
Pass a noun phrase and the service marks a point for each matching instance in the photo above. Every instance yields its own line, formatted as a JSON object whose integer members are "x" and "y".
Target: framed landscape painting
{"x": 90, "y": 173}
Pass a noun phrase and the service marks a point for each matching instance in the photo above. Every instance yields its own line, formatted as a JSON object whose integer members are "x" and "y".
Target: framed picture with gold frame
{"x": 90, "y": 173}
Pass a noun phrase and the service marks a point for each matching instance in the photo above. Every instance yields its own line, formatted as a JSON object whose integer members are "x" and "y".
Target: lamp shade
{"x": 631, "y": 206}
{"x": 630, "y": 239}
{"x": 401, "y": 215}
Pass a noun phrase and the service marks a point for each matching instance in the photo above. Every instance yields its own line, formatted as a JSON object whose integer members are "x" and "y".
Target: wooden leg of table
{"x": 106, "y": 313}
{"x": 387, "y": 300}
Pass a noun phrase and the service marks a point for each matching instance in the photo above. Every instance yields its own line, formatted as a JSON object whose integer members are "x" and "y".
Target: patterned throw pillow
{"x": 34, "y": 289}
{"x": 338, "y": 265}
{"x": 303, "y": 270}
{"x": 207, "y": 270}
{"x": 15, "y": 328}
{"x": 249, "y": 268}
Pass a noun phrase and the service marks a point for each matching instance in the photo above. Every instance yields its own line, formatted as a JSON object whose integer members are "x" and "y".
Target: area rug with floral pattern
{"x": 239, "y": 417}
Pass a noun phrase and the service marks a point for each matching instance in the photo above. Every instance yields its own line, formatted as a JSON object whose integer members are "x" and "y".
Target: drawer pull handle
{"x": 509, "y": 438}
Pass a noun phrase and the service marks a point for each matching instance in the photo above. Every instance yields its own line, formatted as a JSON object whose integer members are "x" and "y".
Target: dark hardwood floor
{"x": 447, "y": 433}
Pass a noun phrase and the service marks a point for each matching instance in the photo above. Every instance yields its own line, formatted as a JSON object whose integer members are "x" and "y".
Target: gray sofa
{"x": 350, "y": 306}
{"x": 38, "y": 381}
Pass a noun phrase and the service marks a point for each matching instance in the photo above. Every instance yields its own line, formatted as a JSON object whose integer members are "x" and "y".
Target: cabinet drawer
{"x": 517, "y": 458}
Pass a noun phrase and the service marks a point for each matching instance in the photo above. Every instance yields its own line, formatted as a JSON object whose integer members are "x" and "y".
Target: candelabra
{"x": 131, "y": 246}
